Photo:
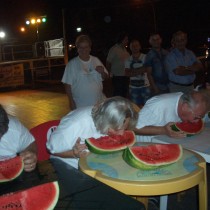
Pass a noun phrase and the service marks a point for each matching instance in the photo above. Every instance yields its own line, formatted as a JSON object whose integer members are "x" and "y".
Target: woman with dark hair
{"x": 115, "y": 64}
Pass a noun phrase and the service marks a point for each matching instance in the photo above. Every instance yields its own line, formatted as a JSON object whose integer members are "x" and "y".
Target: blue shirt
{"x": 155, "y": 60}
{"x": 176, "y": 58}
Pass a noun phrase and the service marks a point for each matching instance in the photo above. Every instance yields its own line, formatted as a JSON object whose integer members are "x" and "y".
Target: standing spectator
{"x": 155, "y": 59}
{"x": 141, "y": 80}
{"x": 181, "y": 65}
{"x": 83, "y": 76}
{"x": 115, "y": 64}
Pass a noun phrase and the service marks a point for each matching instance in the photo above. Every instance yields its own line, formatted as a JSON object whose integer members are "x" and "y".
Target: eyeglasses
{"x": 195, "y": 116}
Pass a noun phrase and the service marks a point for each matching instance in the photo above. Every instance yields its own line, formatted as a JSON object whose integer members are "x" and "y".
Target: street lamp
{"x": 36, "y": 21}
{"x": 2, "y": 36}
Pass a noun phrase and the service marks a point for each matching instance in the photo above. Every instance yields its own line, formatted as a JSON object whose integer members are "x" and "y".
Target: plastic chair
{"x": 41, "y": 133}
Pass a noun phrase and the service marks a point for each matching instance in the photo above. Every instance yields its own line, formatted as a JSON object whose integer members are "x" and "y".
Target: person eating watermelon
{"x": 111, "y": 116}
{"x": 160, "y": 113}
{"x": 15, "y": 139}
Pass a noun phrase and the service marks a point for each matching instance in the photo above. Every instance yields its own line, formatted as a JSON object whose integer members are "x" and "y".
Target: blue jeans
{"x": 139, "y": 96}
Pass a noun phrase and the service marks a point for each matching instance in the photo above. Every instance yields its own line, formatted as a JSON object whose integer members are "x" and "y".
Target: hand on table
{"x": 29, "y": 159}
{"x": 172, "y": 133}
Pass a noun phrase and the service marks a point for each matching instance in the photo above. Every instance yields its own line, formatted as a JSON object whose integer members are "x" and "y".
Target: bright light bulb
{"x": 33, "y": 21}
{"x": 44, "y": 20}
{"x": 2, "y": 34}
{"x": 22, "y": 29}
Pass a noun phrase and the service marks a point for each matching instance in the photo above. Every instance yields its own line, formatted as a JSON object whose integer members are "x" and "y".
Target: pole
{"x": 154, "y": 15}
{"x": 64, "y": 38}
{"x": 37, "y": 31}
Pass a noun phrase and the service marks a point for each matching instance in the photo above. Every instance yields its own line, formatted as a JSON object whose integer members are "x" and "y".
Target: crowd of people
{"x": 161, "y": 81}
{"x": 134, "y": 74}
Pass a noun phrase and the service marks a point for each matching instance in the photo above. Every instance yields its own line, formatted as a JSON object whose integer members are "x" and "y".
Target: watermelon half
{"x": 41, "y": 197}
{"x": 11, "y": 169}
{"x": 152, "y": 156}
{"x": 190, "y": 128}
{"x": 109, "y": 144}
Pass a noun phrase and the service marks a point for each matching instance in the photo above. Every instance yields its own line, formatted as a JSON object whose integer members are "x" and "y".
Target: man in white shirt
{"x": 161, "y": 111}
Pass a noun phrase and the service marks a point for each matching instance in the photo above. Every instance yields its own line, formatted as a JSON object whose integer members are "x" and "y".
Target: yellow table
{"x": 111, "y": 169}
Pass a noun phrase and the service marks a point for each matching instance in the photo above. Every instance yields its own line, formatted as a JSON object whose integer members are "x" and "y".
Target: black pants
{"x": 120, "y": 86}
{"x": 89, "y": 194}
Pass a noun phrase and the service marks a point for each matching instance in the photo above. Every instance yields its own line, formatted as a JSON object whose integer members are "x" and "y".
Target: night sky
{"x": 103, "y": 19}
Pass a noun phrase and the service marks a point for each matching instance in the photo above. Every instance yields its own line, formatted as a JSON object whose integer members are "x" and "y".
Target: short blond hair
{"x": 83, "y": 38}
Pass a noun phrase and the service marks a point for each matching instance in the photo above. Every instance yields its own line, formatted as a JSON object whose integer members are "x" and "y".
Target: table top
{"x": 199, "y": 143}
{"x": 112, "y": 168}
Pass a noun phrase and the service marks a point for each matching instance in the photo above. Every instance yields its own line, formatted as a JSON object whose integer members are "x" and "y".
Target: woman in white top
{"x": 83, "y": 76}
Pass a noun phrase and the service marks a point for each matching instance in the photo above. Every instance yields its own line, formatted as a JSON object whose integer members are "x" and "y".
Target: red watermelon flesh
{"x": 11, "y": 168}
{"x": 152, "y": 156}
{"x": 108, "y": 144}
{"x": 189, "y": 127}
{"x": 42, "y": 197}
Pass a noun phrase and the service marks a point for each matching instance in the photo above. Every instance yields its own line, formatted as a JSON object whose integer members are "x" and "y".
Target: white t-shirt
{"x": 138, "y": 81}
{"x": 86, "y": 82}
{"x": 158, "y": 111}
{"x": 16, "y": 139}
{"x": 77, "y": 123}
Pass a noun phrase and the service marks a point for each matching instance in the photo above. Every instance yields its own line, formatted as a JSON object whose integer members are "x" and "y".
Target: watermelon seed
{"x": 12, "y": 205}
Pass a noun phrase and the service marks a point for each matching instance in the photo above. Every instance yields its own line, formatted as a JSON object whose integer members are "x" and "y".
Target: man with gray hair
{"x": 160, "y": 112}
{"x": 66, "y": 144}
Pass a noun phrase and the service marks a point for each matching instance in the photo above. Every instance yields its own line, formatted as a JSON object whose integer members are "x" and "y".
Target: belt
{"x": 181, "y": 84}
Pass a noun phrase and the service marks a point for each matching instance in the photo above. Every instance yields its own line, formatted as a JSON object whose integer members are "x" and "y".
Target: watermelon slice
{"x": 152, "y": 156}
{"x": 109, "y": 144}
{"x": 11, "y": 169}
{"x": 41, "y": 197}
{"x": 190, "y": 128}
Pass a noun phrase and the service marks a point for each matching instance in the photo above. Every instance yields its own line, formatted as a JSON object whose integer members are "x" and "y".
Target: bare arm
{"x": 100, "y": 69}
{"x": 72, "y": 104}
{"x": 108, "y": 66}
{"x": 151, "y": 80}
{"x": 29, "y": 156}
{"x": 159, "y": 130}
{"x": 135, "y": 72}
{"x": 78, "y": 150}
{"x": 187, "y": 70}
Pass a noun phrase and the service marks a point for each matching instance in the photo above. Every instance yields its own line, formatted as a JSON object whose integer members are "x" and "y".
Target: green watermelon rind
{"x": 17, "y": 174}
{"x": 133, "y": 161}
{"x": 188, "y": 134}
{"x": 97, "y": 150}
{"x": 57, "y": 189}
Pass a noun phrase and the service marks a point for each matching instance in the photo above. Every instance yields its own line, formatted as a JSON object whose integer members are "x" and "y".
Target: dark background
{"x": 103, "y": 19}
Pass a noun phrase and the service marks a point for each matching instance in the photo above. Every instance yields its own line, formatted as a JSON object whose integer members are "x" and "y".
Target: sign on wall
{"x": 11, "y": 75}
